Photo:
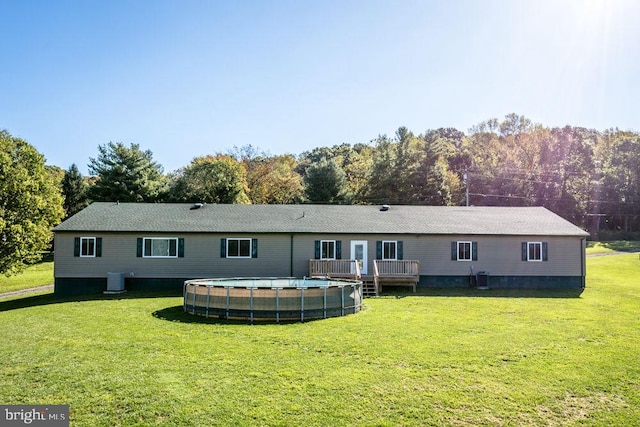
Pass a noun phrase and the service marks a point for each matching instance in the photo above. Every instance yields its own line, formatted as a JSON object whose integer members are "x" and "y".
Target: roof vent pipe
{"x": 197, "y": 206}
{"x": 384, "y": 208}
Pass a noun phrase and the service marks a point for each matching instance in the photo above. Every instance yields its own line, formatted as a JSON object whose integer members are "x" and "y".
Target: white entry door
{"x": 359, "y": 252}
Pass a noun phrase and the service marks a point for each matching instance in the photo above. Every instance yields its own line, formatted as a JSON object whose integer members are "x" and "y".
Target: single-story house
{"x": 159, "y": 245}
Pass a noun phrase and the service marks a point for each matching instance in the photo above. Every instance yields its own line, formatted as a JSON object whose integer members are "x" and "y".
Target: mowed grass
{"x": 596, "y": 248}
{"x": 460, "y": 358}
{"x": 39, "y": 274}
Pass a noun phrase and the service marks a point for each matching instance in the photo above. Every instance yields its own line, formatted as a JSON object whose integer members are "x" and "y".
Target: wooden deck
{"x": 396, "y": 273}
{"x": 335, "y": 268}
{"x": 385, "y": 272}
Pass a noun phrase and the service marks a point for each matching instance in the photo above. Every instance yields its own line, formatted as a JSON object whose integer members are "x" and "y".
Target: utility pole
{"x": 466, "y": 184}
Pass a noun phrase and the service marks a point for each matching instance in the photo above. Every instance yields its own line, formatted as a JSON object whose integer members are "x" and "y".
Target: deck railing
{"x": 404, "y": 272}
{"x": 396, "y": 268}
{"x": 336, "y": 268}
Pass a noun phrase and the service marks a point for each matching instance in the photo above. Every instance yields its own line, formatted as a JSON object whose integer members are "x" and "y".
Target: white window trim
{"x": 94, "y": 247}
{"x": 144, "y": 247}
{"x": 239, "y": 239}
{"x": 470, "y": 250}
{"x": 529, "y": 259}
{"x": 395, "y": 252}
{"x": 322, "y": 242}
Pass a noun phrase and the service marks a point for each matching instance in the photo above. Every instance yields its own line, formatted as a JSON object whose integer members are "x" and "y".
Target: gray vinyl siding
{"x": 499, "y": 255}
{"x": 202, "y": 257}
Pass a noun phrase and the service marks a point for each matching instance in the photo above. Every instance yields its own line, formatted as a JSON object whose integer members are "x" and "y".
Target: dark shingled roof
{"x": 182, "y": 218}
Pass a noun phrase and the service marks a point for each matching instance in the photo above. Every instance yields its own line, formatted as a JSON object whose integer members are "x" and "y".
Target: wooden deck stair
{"x": 368, "y": 287}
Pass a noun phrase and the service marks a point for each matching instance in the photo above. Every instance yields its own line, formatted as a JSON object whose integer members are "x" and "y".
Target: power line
{"x": 504, "y": 196}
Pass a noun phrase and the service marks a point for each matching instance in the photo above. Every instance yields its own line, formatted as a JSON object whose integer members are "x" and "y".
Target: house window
{"x": 534, "y": 251}
{"x": 238, "y": 248}
{"x": 389, "y": 250}
{"x": 160, "y": 247}
{"x": 87, "y": 246}
{"x": 464, "y": 251}
{"x": 327, "y": 249}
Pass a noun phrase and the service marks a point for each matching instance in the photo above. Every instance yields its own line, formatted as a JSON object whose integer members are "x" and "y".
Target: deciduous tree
{"x": 30, "y": 204}
{"x": 274, "y": 180}
{"x": 211, "y": 179}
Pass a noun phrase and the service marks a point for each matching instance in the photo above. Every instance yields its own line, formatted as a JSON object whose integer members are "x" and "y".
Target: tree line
{"x": 590, "y": 177}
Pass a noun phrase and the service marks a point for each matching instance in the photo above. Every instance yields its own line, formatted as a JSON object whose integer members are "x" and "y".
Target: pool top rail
{"x": 271, "y": 282}
{"x": 272, "y": 299}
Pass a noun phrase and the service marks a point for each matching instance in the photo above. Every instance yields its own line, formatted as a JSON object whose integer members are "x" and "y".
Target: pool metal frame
{"x": 350, "y": 302}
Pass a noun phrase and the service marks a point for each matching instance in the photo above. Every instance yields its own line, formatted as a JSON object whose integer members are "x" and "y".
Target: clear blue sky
{"x": 185, "y": 78}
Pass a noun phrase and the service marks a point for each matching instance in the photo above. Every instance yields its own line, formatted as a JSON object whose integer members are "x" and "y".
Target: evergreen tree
{"x": 74, "y": 190}
{"x": 324, "y": 182}
{"x": 126, "y": 174}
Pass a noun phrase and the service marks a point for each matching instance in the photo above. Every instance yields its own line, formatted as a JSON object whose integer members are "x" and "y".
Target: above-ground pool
{"x": 272, "y": 299}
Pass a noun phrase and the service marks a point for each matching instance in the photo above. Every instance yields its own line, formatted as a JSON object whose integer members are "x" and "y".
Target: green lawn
{"x": 36, "y": 275}
{"x": 461, "y": 358}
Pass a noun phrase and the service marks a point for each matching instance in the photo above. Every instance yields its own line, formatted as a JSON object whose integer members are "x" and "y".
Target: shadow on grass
{"x": 483, "y": 293}
{"x": 48, "y": 299}
{"x": 177, "y": 314}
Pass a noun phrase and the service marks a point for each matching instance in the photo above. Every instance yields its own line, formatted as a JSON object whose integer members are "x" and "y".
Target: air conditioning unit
{"x": 115, "y": 283}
